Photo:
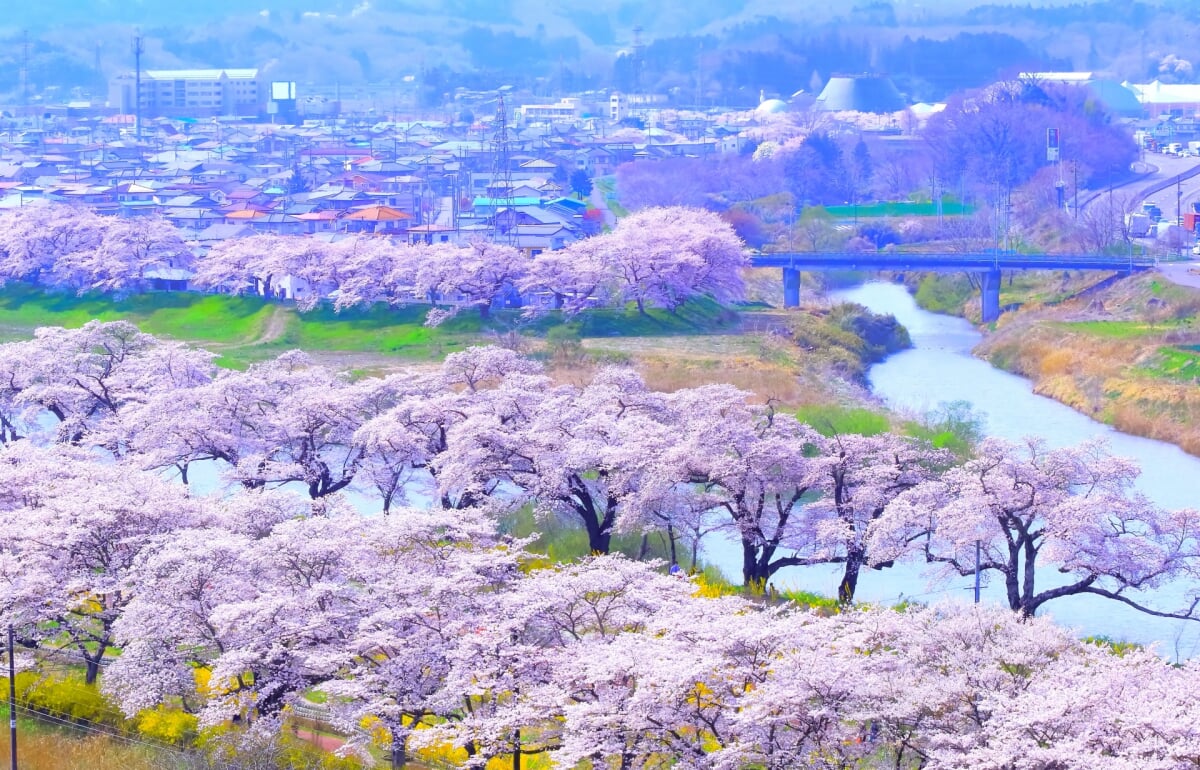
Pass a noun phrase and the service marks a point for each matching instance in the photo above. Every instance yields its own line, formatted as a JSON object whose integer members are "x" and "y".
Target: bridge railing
{"x": 950, "y": 260}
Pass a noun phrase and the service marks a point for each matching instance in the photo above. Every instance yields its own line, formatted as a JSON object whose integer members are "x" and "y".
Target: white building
{"x": 191, "y": 93}
{"x": 567, "y": 110}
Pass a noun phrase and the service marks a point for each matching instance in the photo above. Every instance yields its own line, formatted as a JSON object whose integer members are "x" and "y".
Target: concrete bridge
{"x": 987, "y": 264}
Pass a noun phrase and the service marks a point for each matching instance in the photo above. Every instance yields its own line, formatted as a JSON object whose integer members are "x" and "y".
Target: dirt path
{"x": 274, "y": 328}
{"x": 323, "y": 742}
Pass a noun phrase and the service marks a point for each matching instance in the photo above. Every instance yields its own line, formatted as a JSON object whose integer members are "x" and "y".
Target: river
{"x": 940, "y": 368}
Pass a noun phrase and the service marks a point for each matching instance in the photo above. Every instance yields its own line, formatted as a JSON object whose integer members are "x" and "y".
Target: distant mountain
{"x": 717, "y": 47}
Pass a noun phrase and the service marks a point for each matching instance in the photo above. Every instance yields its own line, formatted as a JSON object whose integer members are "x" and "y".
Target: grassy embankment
{"x": 1127, "y": 355}
{"x": 756, "y": 348}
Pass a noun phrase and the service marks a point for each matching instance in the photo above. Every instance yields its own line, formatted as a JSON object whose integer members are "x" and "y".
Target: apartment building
{"x": 192, "y": 93}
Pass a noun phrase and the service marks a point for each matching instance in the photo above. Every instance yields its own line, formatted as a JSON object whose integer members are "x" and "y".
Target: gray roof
{"x": 861, "y": 93}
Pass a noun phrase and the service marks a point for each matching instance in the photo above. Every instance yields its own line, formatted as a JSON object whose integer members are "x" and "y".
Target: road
{"x": 598, "y": 201}
{"x": 1159, "y": 168}
{"x": 1182, "y": 273}
{"x": 1188, "y": 190}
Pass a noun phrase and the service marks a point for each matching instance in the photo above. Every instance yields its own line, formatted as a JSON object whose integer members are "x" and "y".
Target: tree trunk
{"x": 399, "y": 754}
{"x": 754, "y": 576}
{"x": 849, "y": 582}
{"x": 93, "y": 671}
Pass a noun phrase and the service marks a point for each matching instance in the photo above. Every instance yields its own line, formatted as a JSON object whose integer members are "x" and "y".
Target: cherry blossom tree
{"x": 575, "y": 277}
{"x": 258, "y": 263}
{"x": 656, "y": 257}
{"x": 475, "y": 275}
{"x": 74, "y": 527}
{"x": 405, "y": 442}
{"x": 756, "y": 465}
{"x": 83, "y": 377}
{"x": 578, "y": 453}
{"x": 1027, "y": 507}
{"x": 368, "y": 608}
{"x": 371, "y": 269}
{"x": 127, "y": 249}
{"x": 552, "y": 668}
{"x": 235, "y": 265}
{"x": 38, "y": 241}
{"x": 862, "y": 474}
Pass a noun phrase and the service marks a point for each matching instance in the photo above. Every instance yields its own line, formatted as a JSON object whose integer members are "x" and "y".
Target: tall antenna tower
{"x": 638, "y": 46}
{"x": 138, "y": 49}
{"x": 501, "y": 187}
{"x": 24, "y": 72}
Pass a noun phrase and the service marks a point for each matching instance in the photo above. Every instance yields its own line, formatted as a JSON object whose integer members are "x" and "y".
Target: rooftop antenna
{"x": 501, "y": 178}
{"x": 138, "y": 49}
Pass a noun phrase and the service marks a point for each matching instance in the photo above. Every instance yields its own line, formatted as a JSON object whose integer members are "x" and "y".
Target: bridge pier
{"x": 990, "y": 285}
{"x": 791, "y": 287}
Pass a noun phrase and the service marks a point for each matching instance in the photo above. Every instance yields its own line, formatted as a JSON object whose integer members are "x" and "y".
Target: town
{"x": 711, "y": 384}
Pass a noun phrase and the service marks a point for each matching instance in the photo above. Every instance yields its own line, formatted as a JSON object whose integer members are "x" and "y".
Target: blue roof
{"x": 501, "y": 202}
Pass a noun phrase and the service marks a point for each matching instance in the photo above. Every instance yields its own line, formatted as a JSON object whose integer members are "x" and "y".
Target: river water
{"x": 940, "y": 368}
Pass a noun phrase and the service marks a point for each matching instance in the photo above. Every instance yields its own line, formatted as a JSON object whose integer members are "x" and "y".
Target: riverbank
{"x": 1125, "y": 353}
{"x": 941, "y": 368}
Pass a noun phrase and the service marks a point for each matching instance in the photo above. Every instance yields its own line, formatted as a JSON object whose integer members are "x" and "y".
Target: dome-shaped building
{"x": 771, "y": 107}
{"x": 860, "y": 93}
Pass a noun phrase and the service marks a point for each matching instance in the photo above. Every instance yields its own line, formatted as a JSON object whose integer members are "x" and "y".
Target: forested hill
{"x": 710, "y": 48}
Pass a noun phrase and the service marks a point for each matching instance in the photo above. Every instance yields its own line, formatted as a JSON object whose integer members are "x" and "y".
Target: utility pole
{"x": 1176, "y": 237}
{"x": 1075, "y": 173}
{"x": 138, "y": 49}
{"x": 977, "y": 547}
{"x": 12, "y": 698}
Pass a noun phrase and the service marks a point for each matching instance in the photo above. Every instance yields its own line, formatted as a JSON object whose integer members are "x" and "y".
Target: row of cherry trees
{"x": 659, "y": 257}
{"x": 275, "y": 584}
{"x": 489, "y": 430}
{"x": 74, "y": 248}
{"x": 427, "y": 627}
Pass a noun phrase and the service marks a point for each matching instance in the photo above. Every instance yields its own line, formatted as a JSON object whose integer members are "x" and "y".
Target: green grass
{"x": 833, "y": 420}
{"x": 1182, "y": 363}
{"x": 702, "y": 315}
{"x": 380, "y": 329}
{"x": 208, "y": 318}
{"x": 946, "y": 294}
{"x": 1117, "y": 329}
{"x": 235, "y": 326}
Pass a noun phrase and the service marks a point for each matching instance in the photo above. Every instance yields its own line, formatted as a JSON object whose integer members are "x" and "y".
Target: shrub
{"x": 168, "y": 725}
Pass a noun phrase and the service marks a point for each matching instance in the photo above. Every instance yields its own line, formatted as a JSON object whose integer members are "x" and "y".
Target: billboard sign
{"x": 1052, "y": 144}
{"x": 283, "y": 90}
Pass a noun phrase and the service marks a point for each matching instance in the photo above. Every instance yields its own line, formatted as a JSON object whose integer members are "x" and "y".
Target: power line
{"x": 98, "y": 728}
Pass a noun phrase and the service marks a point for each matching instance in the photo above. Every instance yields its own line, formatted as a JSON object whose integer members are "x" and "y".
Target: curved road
{"x": 1188, "y": 191}
{"x": 1160, "y": 169}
